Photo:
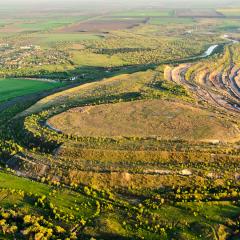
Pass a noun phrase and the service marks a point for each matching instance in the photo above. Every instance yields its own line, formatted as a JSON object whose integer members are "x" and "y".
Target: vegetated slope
{"x": 33, "y": 209}
{"x": 138, "y": 84}
{"x": 167, "y": 120}
{"x": 151, "y": 183}
{"x": 147, "y": 155}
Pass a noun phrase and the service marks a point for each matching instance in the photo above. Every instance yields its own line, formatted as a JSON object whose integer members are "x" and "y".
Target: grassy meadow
{"x": 144, "y": 118}
{"x": 11, "y": 87}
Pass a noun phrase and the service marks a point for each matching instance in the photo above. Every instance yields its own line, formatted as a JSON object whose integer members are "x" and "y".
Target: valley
{"x": 120, "y": 124}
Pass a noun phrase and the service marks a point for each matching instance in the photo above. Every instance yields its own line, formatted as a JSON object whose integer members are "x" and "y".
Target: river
{"x": 209, "y": 51}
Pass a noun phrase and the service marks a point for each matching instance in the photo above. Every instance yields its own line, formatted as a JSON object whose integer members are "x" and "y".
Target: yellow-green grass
{"x": 168, "y": 120}
{"x": 95, "y": 60}
{"x": 11, "y": 88}
{"x": 63, "y": 198}
{"x": 138, "y": 82}
{"x": 115, "y": 85}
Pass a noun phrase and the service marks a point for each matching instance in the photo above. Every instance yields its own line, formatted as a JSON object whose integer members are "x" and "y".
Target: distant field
{"x": 11, "y": 88}
{"x": 229, "y": 25}
{"x": 101, "y": 25}
{"x": 51, "y": 38}
{"x": 40, "y": 25}
{"x": 169, "y": 120}
{"x": 92, "y": 59}
{"x": 3, "y": 22}
{"x": 147, "y": 13}
{"x": 122, "y": 18}
{"x": 45, "y": 24}
{"x": 198, "y": 13}
{"x": 230, "y": 12}
{"x": 165, "y": 21}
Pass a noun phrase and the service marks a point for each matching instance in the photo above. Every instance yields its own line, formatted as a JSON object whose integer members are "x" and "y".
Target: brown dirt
{"x": 11, "y": 29}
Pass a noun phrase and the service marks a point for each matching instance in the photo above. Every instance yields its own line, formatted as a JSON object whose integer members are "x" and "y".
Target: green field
{"x": 48, "y": 24}
{"x": 11, "y": 88}
{"x": 63, "y": 199}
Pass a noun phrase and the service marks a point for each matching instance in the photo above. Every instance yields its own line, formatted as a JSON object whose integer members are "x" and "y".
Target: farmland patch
{"x": 11, "y": 88}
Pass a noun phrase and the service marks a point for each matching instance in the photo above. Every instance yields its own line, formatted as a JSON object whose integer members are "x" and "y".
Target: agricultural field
{"x": 48, "y": 24}
{"x": 120, "y": 121}
{"x": 12, "y": 88}
{"x": 45, "y": 24}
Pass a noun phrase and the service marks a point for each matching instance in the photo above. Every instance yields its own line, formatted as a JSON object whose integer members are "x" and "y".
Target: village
{"x": 25, "y": 56}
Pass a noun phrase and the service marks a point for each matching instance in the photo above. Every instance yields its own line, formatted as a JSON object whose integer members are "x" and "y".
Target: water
{"x": 209, "y": 51}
